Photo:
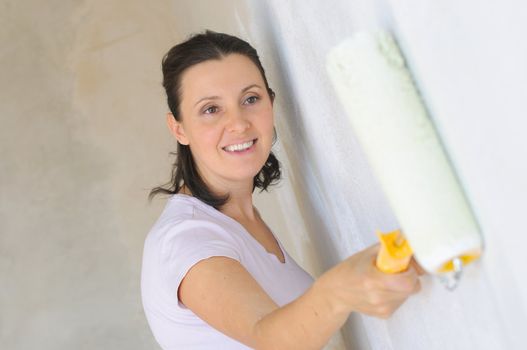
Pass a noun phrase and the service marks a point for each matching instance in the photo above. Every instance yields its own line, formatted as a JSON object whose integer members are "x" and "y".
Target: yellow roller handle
{"x": 395, "y": 253}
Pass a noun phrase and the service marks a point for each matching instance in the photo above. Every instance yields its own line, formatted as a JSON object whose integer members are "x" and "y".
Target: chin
{"x": 245, "y": 174}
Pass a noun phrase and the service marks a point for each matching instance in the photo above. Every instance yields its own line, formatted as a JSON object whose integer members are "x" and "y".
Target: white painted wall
{"x": 469, "y": 62}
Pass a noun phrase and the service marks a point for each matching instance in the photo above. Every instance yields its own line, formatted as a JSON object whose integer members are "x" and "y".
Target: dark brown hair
{"x": 199, "y": 48}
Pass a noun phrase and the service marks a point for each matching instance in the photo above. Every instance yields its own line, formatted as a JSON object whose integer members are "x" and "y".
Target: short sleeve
{"x": 189, "y": 242}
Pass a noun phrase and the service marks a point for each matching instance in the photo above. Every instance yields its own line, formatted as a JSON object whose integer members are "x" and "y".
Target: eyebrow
{"x": 217, "y": 97}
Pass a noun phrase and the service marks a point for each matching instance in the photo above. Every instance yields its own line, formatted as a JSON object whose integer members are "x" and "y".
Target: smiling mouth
{"x": 240, "y": 147}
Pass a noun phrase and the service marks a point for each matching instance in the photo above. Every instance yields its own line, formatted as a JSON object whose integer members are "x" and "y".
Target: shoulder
{"x": 188, "y": 223}
{"x": 186, "y": 233}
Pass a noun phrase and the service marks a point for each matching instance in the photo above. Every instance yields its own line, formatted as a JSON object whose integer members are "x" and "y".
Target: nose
{"x": 237, "y": 121}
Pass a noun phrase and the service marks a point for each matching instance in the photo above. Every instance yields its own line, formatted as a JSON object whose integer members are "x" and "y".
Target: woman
{"x": 214, "y": 276}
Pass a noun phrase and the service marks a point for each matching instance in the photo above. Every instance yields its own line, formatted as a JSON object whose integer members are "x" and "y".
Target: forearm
{"x": 306, "y": 323}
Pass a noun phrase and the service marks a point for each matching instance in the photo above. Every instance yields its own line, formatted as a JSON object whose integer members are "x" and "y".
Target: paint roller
{"x": 391, "y": 123}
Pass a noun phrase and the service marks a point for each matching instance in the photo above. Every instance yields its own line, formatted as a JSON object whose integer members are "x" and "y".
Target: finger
{"x": 417, "y": 287}
{"x": 403, "y": 282}
{"x": 371, "y": 253}
{"x": 400, "y": 297}
{"x": 373, "y": 249}
{"x": 387, "y": 308}
{"x": 418, "y": 268}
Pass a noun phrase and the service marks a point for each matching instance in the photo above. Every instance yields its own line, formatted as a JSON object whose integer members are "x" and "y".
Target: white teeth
{"x": 240, "y": 147}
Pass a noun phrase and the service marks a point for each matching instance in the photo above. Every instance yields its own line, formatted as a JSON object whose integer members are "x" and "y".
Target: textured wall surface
{"x": 82, "y": 140}
{"x": 80, "y": 87}
{"x": 467, "y": 61}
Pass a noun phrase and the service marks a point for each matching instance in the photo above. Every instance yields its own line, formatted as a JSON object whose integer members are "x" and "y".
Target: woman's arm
{"x": 222, "y": 293}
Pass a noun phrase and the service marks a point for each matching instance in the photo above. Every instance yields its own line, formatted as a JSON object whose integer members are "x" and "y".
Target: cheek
{"x": 268, "y": 123}
{"x": 206, "y": 137}
{"x": 265, "y": 118}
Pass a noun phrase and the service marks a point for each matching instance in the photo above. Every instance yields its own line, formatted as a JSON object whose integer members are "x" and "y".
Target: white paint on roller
{"x": 392, "y": 125}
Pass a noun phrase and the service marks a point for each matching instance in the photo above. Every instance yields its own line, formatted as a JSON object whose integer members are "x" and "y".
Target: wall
{"x": 467, "y": 61}
{"x": 83, "y": 139}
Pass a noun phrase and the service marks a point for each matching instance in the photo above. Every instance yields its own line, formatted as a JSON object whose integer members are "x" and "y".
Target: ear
{"x": 176, "y": 129}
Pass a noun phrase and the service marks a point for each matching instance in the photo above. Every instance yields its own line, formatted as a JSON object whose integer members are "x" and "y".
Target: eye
{"x": 251, "y": 100}
{"x": 211, "y": 110}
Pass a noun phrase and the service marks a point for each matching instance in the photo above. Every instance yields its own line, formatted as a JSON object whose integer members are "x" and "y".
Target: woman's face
{"x": 226, "y": 119}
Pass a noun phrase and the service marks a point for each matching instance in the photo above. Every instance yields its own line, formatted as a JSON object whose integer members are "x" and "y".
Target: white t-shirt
{"x": 189, "y": 231}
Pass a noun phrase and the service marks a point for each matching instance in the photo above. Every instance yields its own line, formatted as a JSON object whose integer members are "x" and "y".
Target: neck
{"x": 240, "y": 204}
